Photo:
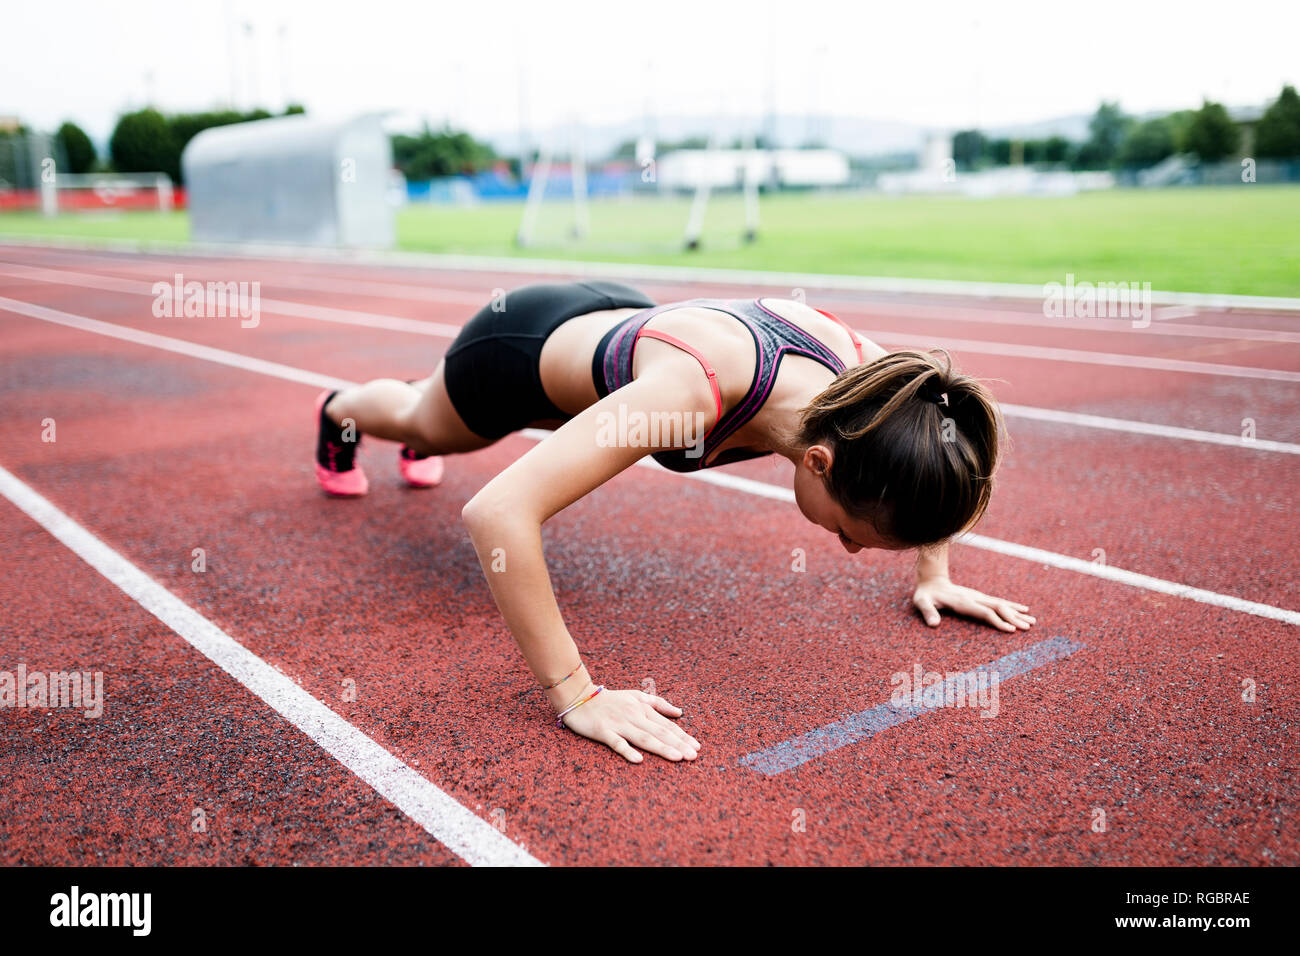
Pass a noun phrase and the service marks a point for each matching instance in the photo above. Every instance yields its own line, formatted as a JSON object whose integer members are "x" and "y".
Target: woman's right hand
{"x": 625, "y": 719}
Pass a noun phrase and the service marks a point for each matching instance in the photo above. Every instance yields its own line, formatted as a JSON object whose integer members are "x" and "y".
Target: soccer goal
{"x": 85, "y": 192}
{"x": 685, "y": 199}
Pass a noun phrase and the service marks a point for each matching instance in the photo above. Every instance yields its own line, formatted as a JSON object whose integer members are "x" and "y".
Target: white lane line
{"x": 113, "y": 284}
{"x": 990, "y": 316}
{"x": 1147, "y": 428}
{"x": 1011, "y": 549}
{"x": 155, "y": 269}
{"x": 973, "y": 313}
{"x": 1114, "y": 359}
{"x": 91, "y": 280}
{"x": 167, "y": 343}
{"x": 470, "y": 837}
{"x": 724, "y": 480}
{"x": 619, "y": 270}
{"x": 320, "y": 313}
{"x": 1131, "y": 578}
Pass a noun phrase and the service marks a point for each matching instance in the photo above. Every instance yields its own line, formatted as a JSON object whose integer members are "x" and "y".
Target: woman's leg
{"x": 420, "y": 416}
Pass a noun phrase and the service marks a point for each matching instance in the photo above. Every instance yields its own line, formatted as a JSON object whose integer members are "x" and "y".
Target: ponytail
{"x": 914, "y": 445}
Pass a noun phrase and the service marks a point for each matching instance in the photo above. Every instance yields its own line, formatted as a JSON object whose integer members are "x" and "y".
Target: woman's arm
{"x": 935, "y": 590}
{"x": 504, "y": 521}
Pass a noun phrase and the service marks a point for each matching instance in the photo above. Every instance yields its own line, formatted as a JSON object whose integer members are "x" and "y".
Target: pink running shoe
{"x": 420, "y": 472}
{"x": 336, "y": 468}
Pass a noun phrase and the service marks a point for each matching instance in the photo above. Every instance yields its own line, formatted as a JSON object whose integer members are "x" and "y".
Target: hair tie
{"x": 931, "y": 394}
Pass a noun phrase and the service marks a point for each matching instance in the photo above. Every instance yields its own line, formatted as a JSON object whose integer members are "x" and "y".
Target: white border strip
{"x": 735, "y": 482}
{"x": 470, "y": 837}
{"x": 540, "y": 266}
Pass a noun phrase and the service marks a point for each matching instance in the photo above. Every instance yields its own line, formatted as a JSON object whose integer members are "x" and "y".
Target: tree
{"x": 1106, "y": 132}
{"x": 1278, "y": 134}
{"x": 1056, "y": 149}
{"x": 1180, "y": 123}
{"x": 1212, "y": 135}
{"x": 150, "y": 148}
{"x": 1147, "y": 143}
{"x": 968, "y": 147}
{"x": 142, "y": 143}
{"x": 78, "y": 150}
{"x": 445, "y": 153}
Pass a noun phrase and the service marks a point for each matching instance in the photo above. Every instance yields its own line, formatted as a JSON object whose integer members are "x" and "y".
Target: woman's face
{"x": 817, "y": 505}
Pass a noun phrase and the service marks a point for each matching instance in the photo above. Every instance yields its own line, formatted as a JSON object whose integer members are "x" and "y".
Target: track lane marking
{"x": 319, "y": 313}
{"x": 453, "y": 825}
{"x": 866, "y": 724}
{"x": 1083, "y": 357}
{"x": 735, "y": 482}
{"x": 1010, "y": 410}
{"x": 974, "y": 313}
{"x": 375, "y": 320}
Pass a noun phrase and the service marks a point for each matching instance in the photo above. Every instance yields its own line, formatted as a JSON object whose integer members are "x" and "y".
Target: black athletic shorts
{"x": 493, "y": 367}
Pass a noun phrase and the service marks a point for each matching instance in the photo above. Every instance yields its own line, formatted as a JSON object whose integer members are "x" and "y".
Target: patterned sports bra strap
{"x": 857, "y": 342}
{"x": 708, "y": 369}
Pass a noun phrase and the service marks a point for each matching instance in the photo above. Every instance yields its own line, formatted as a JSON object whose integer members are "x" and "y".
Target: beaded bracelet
{"x": 565, "y": 677}
{"x": 559, "y": 721}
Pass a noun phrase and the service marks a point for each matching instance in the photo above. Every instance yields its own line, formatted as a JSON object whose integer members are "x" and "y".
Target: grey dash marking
{"x": 867, "y": 723}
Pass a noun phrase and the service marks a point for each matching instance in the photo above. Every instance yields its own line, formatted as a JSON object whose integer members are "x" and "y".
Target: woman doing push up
{"x": 891, "y": 450}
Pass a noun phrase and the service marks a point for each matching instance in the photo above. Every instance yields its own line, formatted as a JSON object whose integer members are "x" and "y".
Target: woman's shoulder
{"x": 832, "y": 332}
{"x": 720, "y": 342}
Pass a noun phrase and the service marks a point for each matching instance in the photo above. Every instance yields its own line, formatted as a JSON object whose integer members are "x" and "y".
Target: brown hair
{"x": 918, "y": 470}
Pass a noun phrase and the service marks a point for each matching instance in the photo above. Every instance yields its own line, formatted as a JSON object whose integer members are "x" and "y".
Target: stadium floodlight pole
{"x": 283, "y": 50}
{"x": 254, "y": 89}
{"x": 533, "y": 204}
{"x": 751, "y": 188}
{"x": 230, "y": 55}
{"x": 578, "y": 167}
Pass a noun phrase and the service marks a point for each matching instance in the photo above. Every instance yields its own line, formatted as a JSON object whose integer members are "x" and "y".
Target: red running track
{"x": 158, "y": 453}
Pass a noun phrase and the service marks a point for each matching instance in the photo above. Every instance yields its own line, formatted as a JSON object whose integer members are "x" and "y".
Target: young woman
{"x": 891, "y": 451}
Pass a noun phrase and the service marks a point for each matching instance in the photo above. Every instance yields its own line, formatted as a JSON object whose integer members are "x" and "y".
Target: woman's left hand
{"x": 933, "y": 594}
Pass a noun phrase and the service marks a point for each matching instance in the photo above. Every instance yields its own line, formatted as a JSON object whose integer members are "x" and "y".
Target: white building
{"x": 725, "y": 168}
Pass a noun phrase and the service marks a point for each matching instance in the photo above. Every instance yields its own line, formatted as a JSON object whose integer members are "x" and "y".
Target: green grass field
{"x": 1240, "y": 239}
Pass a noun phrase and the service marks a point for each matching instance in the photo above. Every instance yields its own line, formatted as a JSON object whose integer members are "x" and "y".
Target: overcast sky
{"x": 941, "y": 63}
